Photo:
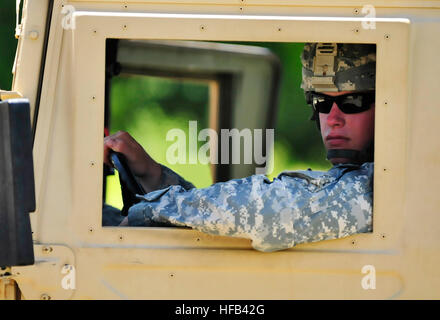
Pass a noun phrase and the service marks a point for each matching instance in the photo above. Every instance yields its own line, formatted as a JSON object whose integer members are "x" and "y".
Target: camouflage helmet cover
{"x": 338, "y": 67}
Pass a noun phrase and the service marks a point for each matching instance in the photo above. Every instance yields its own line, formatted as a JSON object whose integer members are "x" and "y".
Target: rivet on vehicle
{"x": 387, "y": 37}
{"x": 383, "y": 236}
{"x": 385, "y": 102}
{"x": 47, "y": 249}
{"x": 124, "y": 27}
{"x": 93, "y": 98}
{"x": 356, "y": 30}
{"x": 92, "y": 163}
{"x": 94, "y": 31}
{"x": 385, "y": 169}
{"x": 33, "y": 35}
{"x": 356, "y": 11}
{"x": 171, "y": 275}
{"x": 121, "y": 238}
{"x": 279, "y": 29}
{"x": 353, "y": 242}
{"x": 90, "y": 230}
{"x": 202, "y": 27}
{"x": 45, "y": 296}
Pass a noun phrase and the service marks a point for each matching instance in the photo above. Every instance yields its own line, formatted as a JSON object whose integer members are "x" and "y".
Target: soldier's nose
{"x": 335, "y": 117}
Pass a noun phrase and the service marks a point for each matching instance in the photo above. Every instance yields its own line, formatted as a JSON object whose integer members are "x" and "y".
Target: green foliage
{"x": 147, "y": 108}
{"x": 294, "y": 129}
{"x": 151, "y": 115}
{"x": 133, "y": 94}
{"x": 8, "y": 43}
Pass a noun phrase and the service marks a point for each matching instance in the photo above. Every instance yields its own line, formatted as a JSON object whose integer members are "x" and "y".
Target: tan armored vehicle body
{"x": 60, "y": 68}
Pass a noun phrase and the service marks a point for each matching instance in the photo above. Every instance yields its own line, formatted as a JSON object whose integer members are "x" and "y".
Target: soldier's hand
{"x": 141, "y": 164}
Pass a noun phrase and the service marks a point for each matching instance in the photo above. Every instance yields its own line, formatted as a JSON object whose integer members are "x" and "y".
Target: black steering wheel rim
{"x": 129, "y": 185}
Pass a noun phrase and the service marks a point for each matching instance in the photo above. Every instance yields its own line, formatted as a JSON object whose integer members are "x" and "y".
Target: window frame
{"x": 391, "y": 37}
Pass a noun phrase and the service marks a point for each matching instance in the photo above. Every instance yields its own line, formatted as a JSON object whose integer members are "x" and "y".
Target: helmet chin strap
{"x": 355, "y": 156}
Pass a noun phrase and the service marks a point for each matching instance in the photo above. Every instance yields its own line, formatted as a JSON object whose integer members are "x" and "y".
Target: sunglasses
{"x": 348, "y": 103}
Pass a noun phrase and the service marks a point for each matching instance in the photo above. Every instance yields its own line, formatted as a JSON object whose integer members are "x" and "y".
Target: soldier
{"x": 296, "y": 207}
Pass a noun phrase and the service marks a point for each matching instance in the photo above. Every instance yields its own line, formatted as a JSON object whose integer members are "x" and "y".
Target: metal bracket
{"x": 18, "y": 26}
{"x": 51, "y": 277}
{"x": 324, "y": 67}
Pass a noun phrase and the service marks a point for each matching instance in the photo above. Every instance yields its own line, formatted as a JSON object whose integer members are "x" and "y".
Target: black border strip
{"x": 42, "y": 67}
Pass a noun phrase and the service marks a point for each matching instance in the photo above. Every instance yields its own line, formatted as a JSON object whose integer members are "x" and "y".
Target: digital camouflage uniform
{"x": 296, "y": 207}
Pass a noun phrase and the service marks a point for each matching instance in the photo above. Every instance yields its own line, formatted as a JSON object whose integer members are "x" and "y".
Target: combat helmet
{"x": 333, "y": 67}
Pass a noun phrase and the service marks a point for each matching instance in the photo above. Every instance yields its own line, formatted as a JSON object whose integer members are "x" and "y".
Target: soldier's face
{"x": 346, "y": 131}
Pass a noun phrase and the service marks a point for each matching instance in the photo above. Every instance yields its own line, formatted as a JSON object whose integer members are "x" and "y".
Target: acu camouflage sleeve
{"x": 170, "y": 178}
{"x": 296, "y": 207}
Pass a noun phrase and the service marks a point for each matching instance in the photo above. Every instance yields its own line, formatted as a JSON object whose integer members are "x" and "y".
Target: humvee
{"x": 53, "y": 244}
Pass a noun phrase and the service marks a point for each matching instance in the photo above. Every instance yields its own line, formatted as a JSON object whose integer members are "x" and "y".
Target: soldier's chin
{"x": 339, "y": 160}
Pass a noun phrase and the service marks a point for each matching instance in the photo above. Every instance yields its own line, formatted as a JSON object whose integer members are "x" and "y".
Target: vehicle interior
{"x": 156, "y": 86}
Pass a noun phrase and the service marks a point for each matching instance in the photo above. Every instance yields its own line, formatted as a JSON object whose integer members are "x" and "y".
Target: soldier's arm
{"x": 170, "y": 178}
{"x": 293, "y": 208}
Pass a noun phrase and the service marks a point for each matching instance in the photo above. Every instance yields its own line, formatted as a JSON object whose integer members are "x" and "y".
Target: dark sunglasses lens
{"x": 322, "y": 104}
{"x": 355, "y": 103}
{"x": 349, "y": 104}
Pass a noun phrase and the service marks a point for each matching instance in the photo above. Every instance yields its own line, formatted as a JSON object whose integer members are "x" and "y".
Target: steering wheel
{"x": 129, "y": 185}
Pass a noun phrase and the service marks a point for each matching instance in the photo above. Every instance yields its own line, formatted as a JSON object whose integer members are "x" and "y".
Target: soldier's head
{"x": 339, "y": 83}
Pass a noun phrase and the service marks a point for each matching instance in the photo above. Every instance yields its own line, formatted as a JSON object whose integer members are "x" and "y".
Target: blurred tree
{"x": 293, "y": 125}
{"x": 8, "y": 43}
{"x": 294, "y": 130}
{"x": 132, "y": 94}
